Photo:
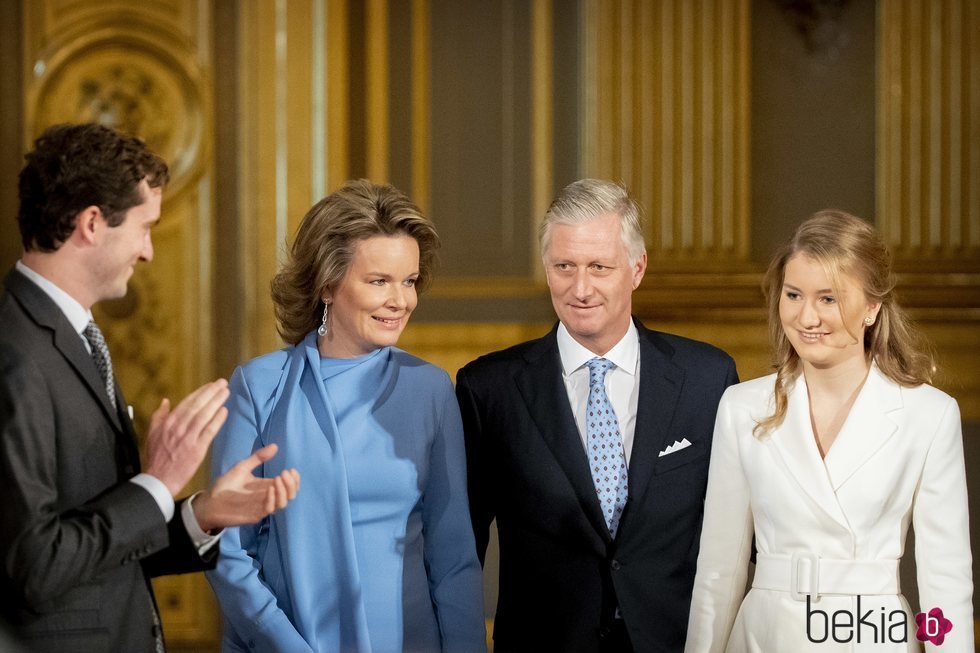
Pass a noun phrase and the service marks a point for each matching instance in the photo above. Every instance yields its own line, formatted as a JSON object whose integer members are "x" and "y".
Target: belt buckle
{"x": 795, "y": 561}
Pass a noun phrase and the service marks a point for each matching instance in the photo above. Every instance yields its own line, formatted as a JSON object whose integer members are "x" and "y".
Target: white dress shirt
{"x": 622, "y": 382}
{"x": 79, "y": 318}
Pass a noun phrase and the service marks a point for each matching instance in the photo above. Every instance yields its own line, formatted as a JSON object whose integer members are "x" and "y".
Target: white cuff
{"x": 202, "y": 541}
{"x": 158, "y": 491}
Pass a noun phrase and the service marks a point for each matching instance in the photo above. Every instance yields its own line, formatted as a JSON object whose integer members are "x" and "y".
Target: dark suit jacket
{"x": 561, "y": 576}
{"x": 78, "y": 542}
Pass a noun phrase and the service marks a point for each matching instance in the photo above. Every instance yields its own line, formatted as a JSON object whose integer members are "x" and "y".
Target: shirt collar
{"x": 623, "y": 355}
{"x": 77, "y": 316}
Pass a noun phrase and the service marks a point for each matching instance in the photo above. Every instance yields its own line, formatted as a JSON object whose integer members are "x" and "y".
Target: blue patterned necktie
{"x": 100, "y": 354}
{"x": 607, "y": 460}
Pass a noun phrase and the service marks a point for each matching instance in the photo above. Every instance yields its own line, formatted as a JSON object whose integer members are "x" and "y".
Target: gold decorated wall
{"x": 731, "y": 120}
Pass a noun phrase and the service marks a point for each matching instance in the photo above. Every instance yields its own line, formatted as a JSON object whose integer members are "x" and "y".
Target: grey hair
{"x": 587, "y": 199}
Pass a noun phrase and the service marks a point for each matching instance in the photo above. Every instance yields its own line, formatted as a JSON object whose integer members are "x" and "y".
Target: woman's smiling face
{"x": 825, "y": 327}
{"x": 372, "y": 304}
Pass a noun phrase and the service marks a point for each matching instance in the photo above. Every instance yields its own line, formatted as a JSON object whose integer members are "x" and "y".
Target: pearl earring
{"x": 322, "y": 330}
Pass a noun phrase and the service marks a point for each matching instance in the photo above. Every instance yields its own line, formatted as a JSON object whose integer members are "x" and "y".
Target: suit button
{"x": 604, "y": 632}
{"x": 614, "y": 565}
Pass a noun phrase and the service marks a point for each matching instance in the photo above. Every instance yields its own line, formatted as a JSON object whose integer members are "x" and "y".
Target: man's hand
{"x": 239, "y": 498}
{"x": 179, "y": 439}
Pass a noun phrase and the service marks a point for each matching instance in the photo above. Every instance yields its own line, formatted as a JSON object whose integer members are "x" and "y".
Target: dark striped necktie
{"x": 100, "y": 354}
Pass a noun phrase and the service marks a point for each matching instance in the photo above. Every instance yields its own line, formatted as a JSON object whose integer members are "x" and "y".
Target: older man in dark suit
{"x": 590, "y": 448}
{"x": 81, "y": 530}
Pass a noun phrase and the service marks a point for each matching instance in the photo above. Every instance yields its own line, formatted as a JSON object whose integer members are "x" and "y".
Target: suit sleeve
{"x": 182, "y": 556}
{"x": 455, "y": 576}
{"x": 47, "y": 550}
{"x": 731, "y": 377}
{"x": 477, "y": 464}
{"x": 940, "y": 518}
{"x": 726, "y": 539}
{"x": 254, "y": 618}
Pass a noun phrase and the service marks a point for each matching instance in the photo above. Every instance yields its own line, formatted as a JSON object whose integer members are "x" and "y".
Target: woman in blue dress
{"x": 376, "y": 553}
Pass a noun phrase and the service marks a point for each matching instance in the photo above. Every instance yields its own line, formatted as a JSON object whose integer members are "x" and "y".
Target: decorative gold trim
{"x": 185, "y": 145}
{"x": 318, "y": 92}
{"x": 338, "y": 85}
{"x": 666, "y": 111}
{"x": 421, "y": 97}
{"x": 280, "y": 93}
{"x": 377, "y": 90}
{"x": 928, "y": 167}
{"x": 542, "y": 129}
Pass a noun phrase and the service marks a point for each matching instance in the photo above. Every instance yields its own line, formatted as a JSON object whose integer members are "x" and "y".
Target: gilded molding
{"x": 129, "y": 76}
{"x": 928, "y": 168}
{"x": 666, "y": 92}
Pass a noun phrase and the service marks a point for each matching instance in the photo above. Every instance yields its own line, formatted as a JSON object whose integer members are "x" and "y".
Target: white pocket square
{"x": 674, "y": 448}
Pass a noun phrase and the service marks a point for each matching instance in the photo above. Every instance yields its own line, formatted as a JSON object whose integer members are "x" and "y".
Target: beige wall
{"x": 728, "y": 123}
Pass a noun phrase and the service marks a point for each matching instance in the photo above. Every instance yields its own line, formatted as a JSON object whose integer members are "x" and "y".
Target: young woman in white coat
{"x": 827, "y": 462}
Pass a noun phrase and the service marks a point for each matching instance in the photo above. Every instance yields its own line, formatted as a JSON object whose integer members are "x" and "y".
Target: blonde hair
{"x": 845, "y": 245}
{"x": 325, "y": 244}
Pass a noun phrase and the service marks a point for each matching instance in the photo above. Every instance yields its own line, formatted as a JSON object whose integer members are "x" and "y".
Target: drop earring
{"x": 322, "y": 330}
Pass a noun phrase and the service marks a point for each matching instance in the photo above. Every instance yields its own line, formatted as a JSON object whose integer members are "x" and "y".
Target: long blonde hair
{"x": 845, "y": 245}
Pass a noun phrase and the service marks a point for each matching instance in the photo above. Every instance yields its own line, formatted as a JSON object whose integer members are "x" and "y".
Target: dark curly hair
{"x": 73, "y": 167}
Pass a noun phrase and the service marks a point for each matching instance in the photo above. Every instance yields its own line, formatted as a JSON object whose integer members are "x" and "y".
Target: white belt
{"x": 805, "y": 573}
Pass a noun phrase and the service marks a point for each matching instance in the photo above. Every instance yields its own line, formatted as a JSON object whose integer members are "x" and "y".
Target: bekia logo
{"x": 933, "y": 626}
{"x": 873, "y": 626}
{"x": 843, "y": 626}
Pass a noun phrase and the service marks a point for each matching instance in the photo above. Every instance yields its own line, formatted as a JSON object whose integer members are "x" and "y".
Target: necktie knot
{"x": 94, "y": 336}
{"x": 598, "y": 368}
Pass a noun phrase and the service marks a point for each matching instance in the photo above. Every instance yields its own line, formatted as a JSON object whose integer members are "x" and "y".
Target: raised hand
{"x": 238, "y": 497}
{"x": 179, "y": 439}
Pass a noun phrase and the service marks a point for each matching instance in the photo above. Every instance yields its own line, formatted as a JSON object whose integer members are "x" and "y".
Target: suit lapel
{"x": 660, "y": 387}
{"x": 46, "y": 314}
{"x": 795, "y": 447}
{"x": 543, "y": 392}
{"x": 866, "y": 429}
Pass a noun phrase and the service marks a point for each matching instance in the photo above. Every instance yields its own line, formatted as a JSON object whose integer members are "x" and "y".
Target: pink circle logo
{"x": 932, "y": 626}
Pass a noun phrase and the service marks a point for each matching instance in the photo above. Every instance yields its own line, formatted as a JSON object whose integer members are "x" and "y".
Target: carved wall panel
{"x": 143, "y": 69}
{"x": 666, "y": 111}
{"x": 451, "y": 102}
{"x": 929, "y": 133}
{"x": 928, "y": 175}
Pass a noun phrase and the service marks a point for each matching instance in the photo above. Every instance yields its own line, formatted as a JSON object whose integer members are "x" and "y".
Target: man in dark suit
{"x": 590, "y": 448}
{"x": 81, "y": 530}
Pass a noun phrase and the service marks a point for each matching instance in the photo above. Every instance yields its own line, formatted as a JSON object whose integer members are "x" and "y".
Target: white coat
{"x": 898, "y": 457}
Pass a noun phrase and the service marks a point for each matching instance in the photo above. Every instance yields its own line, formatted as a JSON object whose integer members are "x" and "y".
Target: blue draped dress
{"x": 376, "y": 554}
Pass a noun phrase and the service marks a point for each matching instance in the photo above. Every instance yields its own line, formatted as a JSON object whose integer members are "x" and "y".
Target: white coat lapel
{"x": 795, "y": 447}
{"x": 866, "y": 429}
